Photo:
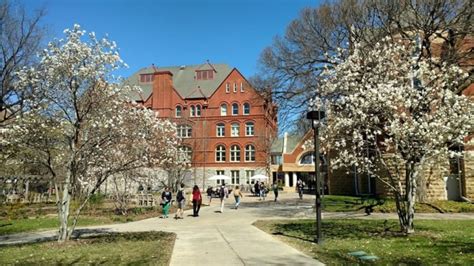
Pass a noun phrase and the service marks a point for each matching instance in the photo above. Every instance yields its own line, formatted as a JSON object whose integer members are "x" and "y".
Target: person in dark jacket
{"x": 166, "y": 197}
{"x": 209, "y": 194}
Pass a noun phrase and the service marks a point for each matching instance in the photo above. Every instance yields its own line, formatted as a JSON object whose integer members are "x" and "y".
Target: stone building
{"x": 226, "y": 125}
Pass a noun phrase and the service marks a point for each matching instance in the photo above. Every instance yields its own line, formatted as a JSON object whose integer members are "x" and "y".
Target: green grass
{"x": 43, "y": 223}
{"x": 335, "y": 203}
{"x": 151, "y": 248}
{"x": 435, "y": 242}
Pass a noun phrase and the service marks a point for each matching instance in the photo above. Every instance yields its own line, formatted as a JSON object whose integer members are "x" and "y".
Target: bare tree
{"x": 20, "y": 39}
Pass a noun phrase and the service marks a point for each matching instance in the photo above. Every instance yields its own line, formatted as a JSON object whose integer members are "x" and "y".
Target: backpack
{"x": 222, "y": 192}
{"x": 179, "y": 196}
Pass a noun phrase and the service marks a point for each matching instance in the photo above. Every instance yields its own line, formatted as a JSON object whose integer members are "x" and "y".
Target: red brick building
{"x": 226, "y": 124}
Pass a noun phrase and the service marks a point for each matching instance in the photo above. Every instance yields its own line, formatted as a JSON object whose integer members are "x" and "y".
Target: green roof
{"x": 183, "y": 80}
{"x": 291, "y": 143}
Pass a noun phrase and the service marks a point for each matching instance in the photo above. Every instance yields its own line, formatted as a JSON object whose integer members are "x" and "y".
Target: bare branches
{"x": 20, "y": 38}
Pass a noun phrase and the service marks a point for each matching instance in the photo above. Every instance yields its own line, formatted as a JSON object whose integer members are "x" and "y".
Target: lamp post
{"x": 316, "y": 117}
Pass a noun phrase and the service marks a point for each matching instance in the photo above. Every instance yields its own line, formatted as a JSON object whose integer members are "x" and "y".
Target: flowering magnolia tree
{"x": 391, "y": 112}
{"x": 84, "y": 128}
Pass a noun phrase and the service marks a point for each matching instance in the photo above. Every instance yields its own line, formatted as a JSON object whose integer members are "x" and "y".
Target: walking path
{"x": 228, "y": 238}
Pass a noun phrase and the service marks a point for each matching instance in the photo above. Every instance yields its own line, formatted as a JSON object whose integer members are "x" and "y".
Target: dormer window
{"x": 146, "y": 78}
{"x": 204, "y": 74}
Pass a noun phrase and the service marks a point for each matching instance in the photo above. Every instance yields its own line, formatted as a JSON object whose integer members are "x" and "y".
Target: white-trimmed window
{"x": 235, "y": 109}
{"x": 178, "y": 111}
{"x": 235, "y": 153}
{"x": 235, "y": 174}
{"x": 235, "y": 87}
{"x": 220, "y": 153}
{"x": 220, "y": 130}
{"x": 246, "y": 108}
{"x": 198, "y": 110}
{"x": 220, "y": 172}
{"x": 249, "y": 174}
{"x": 227, "y": 87}
{"x": 223, "y": 109}
{"x": 184, "y": 131}
{"x": 249, "y": 153}
{"x": 234, "y": 130}
{"x": 241, "y": 87}
{"x": 192, "y": 111}
{"x": 185, "y": 153}
{"x": 249, "y": 129}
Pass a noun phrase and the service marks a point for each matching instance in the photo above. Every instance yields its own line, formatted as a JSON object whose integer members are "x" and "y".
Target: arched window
{"x": 178, "y": 111}
{"x": 198, "y": 110}
{"x": 227, "y": 87}
{"x": 235, "y": 86}
{"x": 249, "y": 153}
{"x": 235, "y": 153}
{"x": 235, "y": 109}
{"x": 184, "y": 131}
{"x": 246, "y": 108}
{"x": 249, "y": 129}
{"x": 223, "y": 109}
{"x": 241, "y": 87}
{"x": 220, "y": 153}
{"x": 185, "y": 153}
{"x": 307, "y": 158}
{"x": 192, "y": 111}
{"x": 220, "y": 130}
{"x": 234, "y": 132}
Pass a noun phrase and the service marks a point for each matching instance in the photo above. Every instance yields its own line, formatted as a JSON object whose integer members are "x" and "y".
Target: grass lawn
{"x": 435, "y": 242}
{"x": 151, "y": 248}
{"x": 335, "y": 203}
{"x": 47, "y": 222}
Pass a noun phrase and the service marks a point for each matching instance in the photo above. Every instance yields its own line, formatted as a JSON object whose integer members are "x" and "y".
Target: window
{"x": 235, "y": 153}
{"x": 276, "y": 159}
{"x": 220, "y": 153}
{"x": 235, "y": 109}
{"x": 146, "y": 78}
{"x": 249, "y": 153}
{"x": 185, "y": 153}
{"x": 249, "y": 174}
{"x": 246, "y": 108}
{"x": 220, "y": 130}
{"x": 192, "y": 111}
{"x": 235, "y": 87}
{"x": 241, "y": 87}
{"x": 220, "y": 172}
{"x": 204, "y": 74}
{"x": 184, "y": 131}
{"x": 227, "y": 87}
{"x": 249, "y": 129}
{"x": 198, "y": 110}
{"x": 308, "y": 158}
{"x": 223, "y": 109}
{"x": 235, "y": 174}
{"x": 234, "y": 132}
{"x": 178, "y": 111}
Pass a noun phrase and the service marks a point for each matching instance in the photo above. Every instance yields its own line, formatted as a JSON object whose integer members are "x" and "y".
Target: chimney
{"x": 162, "y": 92}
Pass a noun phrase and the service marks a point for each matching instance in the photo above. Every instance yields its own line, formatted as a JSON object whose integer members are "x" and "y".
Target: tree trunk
{"x": 64, "y": 211}
{"x": 406, "y": 212}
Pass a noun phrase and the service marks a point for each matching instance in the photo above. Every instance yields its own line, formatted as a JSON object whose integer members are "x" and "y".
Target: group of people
{"x": 261, "y": 190}
{"x": 167, "y": 199}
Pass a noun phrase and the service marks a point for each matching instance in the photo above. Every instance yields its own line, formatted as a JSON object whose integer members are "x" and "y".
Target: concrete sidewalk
{"x": 229, "y": 238}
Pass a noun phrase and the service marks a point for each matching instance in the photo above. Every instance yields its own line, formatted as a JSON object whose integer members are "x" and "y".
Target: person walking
{"x": 166, "y": 197}
{"x": 223, "y": 194}
{"x": 262, "y": 190}
{"x": 237, "y": 195}
{"x": 300, "y": 186}
{"x": 275, "y": 191}
{"x": 197, "y": 199}
{"x": 209, "y": 194}
{"x": 257, "y": 189}
{"x": 180, "y": 199}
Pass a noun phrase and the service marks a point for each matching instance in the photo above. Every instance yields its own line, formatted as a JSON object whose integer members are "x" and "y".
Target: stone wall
{"x": 469, "y": 175}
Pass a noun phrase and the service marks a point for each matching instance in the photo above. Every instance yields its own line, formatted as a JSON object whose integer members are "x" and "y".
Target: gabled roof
{"x": 184, "y": 80}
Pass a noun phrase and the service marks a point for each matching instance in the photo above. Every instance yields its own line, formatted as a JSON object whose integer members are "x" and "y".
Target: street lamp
{"x": 316, "y": 117}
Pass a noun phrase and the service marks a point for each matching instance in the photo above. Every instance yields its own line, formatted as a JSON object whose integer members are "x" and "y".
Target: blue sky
{"x": 178, "y": 32}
